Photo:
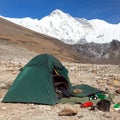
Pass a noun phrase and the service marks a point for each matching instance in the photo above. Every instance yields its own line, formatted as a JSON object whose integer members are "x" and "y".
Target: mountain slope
{"x": 108, "y": 53}
{"x": 72, "y": 30}
{"x": 16, "y": 37}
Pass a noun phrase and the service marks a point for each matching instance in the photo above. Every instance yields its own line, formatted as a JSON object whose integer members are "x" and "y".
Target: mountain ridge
{"x": 72, "y": 30}
{"x": 108, "y": 53}
{"x": 13, "y": 36}
{"x": 83, "y": 51}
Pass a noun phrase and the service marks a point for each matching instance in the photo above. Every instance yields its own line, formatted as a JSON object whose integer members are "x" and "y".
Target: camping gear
{"x": 74, "y": 100}
{"x": 44, "y": 80}
{"x": 117, "y": 106}
{"x": 87, "y": 104}
{"x": 101, "y": 96}
{"x": 93, "y": 97}
{"x": 36, "y": 82}
{"x": 86, "y": 90}
{"x": 61, "y": 87}
{"x": 104, "y": 105}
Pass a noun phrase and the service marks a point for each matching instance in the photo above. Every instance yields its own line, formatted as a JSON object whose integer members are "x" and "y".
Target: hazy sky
{"x": 108, "y": 10}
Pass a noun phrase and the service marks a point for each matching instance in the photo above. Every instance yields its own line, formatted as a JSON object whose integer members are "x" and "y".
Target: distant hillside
{"x": 106, "y": 53}
{"x": 16, "y": 39}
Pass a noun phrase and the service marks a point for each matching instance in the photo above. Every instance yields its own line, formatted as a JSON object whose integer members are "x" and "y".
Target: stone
{"x": 68, "y": 112}
{"x": 117, "y": 91}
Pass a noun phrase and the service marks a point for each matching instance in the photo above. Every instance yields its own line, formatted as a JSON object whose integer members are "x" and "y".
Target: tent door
{"x": 61, "y": 85}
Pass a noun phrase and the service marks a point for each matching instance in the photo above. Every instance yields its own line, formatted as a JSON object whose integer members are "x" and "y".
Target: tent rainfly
{"x": 44, "y": 80}
{"x": 35, "y": 82}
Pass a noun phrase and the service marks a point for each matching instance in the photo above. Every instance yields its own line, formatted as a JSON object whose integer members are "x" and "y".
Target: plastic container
{"x": 87, "y": 104}
{"x": 117, "y": 106}
{"x": 101, "y": 96}
{"x": 104, "y": 105}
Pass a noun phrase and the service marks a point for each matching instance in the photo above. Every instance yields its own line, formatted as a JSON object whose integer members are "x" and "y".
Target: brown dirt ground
{"x": 99, "y": 76}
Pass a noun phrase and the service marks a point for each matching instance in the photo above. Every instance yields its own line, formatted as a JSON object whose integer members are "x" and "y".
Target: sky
{"x": 108, "y": 10}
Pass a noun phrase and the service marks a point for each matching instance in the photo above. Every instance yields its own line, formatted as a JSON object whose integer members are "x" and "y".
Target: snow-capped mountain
{"x": 71, "y": 30}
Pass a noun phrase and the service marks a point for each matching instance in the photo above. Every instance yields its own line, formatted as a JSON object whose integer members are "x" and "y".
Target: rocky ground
{"x": 99, "y": 76}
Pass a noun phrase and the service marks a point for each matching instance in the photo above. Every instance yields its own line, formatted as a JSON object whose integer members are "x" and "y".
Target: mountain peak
{"x": 59, "y": 13}
{"x": 56, "y": 12}
{"x": 72, "y": 30}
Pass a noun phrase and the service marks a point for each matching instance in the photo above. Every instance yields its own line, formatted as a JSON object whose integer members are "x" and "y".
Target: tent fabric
{"x": 34, "y": 84}
{"x": 86, "y": 90}
{"x": 74, "y": 100}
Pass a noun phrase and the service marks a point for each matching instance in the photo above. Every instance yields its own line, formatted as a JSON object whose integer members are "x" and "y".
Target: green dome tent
{"x": 44, "y": 80}
{"x": 36, "y": 84}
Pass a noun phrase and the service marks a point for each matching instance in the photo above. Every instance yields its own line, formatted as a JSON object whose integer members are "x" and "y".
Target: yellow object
{"x": 56, "y": 72}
